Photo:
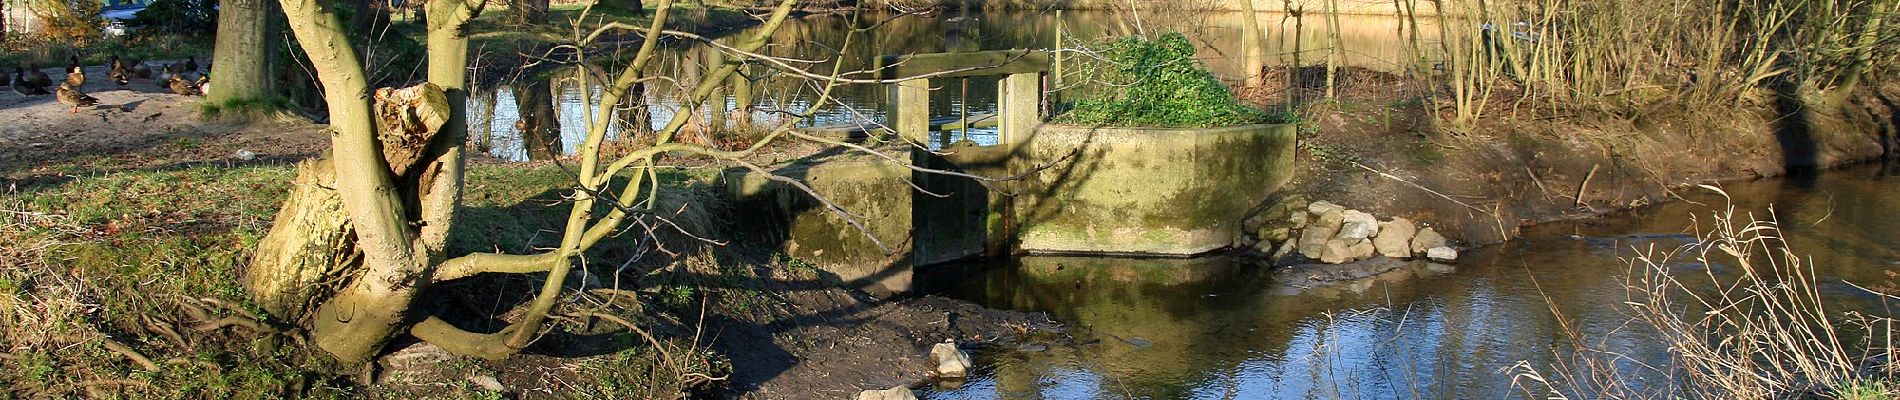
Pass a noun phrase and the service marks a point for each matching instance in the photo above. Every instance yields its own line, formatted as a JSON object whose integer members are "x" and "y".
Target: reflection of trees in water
{"x": 536, "y": 123}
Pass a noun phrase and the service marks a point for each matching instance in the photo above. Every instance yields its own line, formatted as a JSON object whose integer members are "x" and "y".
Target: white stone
{"x": 951, "y": 362}
{"x": 894, "y": 393}
{"x": 488, "y": 382}
{"x": 1442, "y": 254}
{"x": 1357, "y": 225}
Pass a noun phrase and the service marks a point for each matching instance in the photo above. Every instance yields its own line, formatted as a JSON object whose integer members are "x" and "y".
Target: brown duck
{"x": 76, "y": 76}
{"x": 22, "y": 86}
{"x": 73, "y": 97}
{"x": 117, "y": 71}
{"x": 181, "y": 86}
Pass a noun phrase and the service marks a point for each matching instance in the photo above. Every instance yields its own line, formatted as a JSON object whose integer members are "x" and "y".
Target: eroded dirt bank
{"x": 1521, "y": 166}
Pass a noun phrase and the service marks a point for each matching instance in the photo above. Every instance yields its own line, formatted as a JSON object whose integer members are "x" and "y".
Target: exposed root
{"x": 136, "y": 357}
{"x": 164, "y": 330}
{"x": 231, "y": 321}
{"x": 201, "y": 363}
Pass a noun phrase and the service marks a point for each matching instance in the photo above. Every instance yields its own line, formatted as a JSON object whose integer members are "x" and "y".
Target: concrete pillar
{"x": 1017, "y": 107}
{"x": 909, "y": 110}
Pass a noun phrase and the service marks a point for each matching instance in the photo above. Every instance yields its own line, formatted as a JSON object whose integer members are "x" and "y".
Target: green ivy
{"x": 1158, "y": 83}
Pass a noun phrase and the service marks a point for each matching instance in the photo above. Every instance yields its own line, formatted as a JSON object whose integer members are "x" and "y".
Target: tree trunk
{"x": 246, "y": 50}
{"x": 527, "y": 12}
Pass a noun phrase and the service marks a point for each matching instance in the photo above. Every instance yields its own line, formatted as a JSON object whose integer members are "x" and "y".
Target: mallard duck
{"x": 179, "y": 85}
{"x": 22, "y": 86}
{"x": 38, "y": 78}
{"x": 204, "y": 84}
{"x": 191, "y": 64}
{"x": 76, "y": 76}
{"x": 117, "y": 72}
{"x": 139, "y": 69}
{"x": 71, "y": 96}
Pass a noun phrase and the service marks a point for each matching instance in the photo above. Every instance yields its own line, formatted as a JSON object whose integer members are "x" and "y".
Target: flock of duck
{"x": 181, "y": 78}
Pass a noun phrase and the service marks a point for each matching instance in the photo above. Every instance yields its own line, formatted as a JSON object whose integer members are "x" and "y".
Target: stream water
{"x": 496, "y": 114}
{"x": 1227, "y": 328}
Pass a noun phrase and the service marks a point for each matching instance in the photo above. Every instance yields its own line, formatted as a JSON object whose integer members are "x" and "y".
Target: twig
{"x": 1586, "y": 183}
{"x": 1494, "y": 216}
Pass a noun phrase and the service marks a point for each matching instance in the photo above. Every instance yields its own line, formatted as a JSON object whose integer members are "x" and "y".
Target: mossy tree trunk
{"x": 245, "y": 51}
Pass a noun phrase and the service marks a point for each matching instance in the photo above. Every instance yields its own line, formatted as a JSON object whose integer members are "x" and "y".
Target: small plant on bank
{"x": 1157, "y": 83}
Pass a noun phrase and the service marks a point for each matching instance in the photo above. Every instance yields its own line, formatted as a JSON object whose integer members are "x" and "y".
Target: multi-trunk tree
{"x": 364, "y": 232}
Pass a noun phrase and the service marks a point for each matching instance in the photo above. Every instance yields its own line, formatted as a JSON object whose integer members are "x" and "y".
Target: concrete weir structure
{"x": 1077, "y": 189}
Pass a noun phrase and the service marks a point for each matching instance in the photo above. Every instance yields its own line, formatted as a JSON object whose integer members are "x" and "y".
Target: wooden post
{"x": 1016, "y": 110}
{"x": 909, "y": 111}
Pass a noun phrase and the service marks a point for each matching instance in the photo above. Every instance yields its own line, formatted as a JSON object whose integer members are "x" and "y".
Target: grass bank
{"x": 127, "y": 283}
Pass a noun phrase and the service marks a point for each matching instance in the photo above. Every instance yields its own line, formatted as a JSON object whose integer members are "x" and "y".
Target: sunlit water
{"x": 1222, "y": 328}
{"x": 1373, "y": 42}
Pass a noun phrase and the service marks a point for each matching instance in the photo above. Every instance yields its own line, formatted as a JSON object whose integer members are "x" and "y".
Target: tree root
{"x": 231, "y": 321}
{"x": 163, "y": 330}
{"x": 127, "y": 351}
{"x": 201, "y": 363}
{"x": 492, "y": 346}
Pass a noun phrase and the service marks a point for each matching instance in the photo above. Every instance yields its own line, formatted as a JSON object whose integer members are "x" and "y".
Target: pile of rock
{"x": 1332, "y": 234}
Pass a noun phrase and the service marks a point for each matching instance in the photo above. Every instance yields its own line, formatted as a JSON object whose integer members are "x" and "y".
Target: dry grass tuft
{"x": 1758, "y": 329}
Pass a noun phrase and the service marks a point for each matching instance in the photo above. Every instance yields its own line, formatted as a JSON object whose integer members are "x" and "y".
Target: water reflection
{"x": 1224, "y": 328}
{"x": 762, "y": 96}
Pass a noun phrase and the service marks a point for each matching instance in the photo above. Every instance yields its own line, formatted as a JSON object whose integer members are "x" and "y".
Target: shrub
{"x": 176, "y": 17}
{"x": 70, "y": 21}
{"x": 1158, "y": 83}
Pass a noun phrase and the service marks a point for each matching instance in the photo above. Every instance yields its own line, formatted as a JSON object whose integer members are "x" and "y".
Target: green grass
{"x": 113, "y": 255}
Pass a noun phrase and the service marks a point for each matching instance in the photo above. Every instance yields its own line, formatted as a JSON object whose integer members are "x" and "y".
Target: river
{"x": 1228, "y": 328}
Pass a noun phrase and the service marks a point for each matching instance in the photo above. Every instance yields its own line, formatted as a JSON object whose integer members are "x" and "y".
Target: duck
{"x": 22, "y": 86}
{"x": 204, "y": 84}
{"x": 139, "y": 69}
{"x": 71, "y": 96}
{"x": 117, "y": 72}
{"x": 181, "y": 86}
{"x": 191, "y": 64}
{"x": 76, "y": 76}
{"x": 38, "y": 78}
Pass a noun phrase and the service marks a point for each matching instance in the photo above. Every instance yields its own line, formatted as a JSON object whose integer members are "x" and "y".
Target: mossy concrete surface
{"x": 1137, "y": 191}
{"x": 1083, "y": 190}
{"x": 878, "y": 195}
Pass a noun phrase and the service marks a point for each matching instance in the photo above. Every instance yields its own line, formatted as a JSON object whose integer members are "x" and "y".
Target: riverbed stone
{"x": 894, "y": 393}
{"x": 1395, "y": 238}
{"x": 1263, "y": 247}
{"x": 1285, "y": 250}
{"x": 1442, "y": 254}
{"x": 1322, "y": 207}
{"x": 1299, "y": 219}
{"x": 1344, "y": 251}
{"x": 1425, "y": 240}
{"x": 1357, "y": 225}
{"x": 952, "y": 363}
{"x": 1313, "y": 239}
{"x": 1275, "y": 234}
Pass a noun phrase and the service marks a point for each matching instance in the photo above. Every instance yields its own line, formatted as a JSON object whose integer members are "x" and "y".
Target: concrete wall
{"x": 1134, "y": 190}
{"x": 1084, "y": 190}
